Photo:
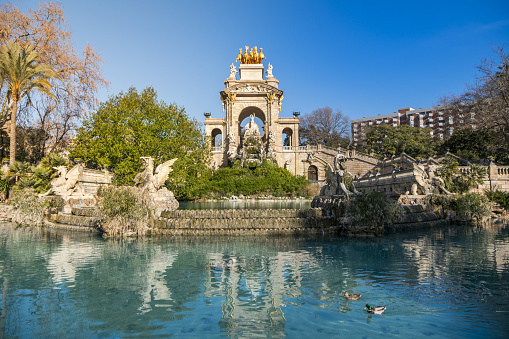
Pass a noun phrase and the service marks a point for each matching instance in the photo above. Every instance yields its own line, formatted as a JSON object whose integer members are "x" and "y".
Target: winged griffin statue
{"x": 65, "y": 182}
{"x": 150, "y": 180}
{"x": 153, "y": 183}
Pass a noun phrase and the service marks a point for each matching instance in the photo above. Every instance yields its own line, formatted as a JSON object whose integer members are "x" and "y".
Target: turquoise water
{"x": 443, "y": 283}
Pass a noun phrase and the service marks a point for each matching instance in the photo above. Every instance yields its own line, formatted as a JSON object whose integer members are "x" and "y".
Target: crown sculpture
{"x": 251, "y": 57}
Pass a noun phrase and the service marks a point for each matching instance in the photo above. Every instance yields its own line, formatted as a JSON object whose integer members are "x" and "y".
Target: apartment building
{"x": 434, "y": 118}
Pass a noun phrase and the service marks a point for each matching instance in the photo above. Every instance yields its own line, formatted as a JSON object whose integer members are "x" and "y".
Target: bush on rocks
{"x": 28, "y": 207}
{"x": 126, "y": 211}
{"x": 472, "y": 207}
{"x": 374, "y": 208}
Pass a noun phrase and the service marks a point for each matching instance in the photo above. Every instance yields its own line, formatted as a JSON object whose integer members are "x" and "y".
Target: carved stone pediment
{"x": 251, "y": 88}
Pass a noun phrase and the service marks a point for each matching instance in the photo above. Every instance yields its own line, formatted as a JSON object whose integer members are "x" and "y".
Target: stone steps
{"x": 255, "y": 224}
{"x": 243, "y": 214}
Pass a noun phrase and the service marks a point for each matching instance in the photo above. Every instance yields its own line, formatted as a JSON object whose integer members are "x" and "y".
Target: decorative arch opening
{"x": 217, "y": 138}
{"x": 287, "y": 137}
{"x": 245, "y": 118}
{"x": 312, "y": 173}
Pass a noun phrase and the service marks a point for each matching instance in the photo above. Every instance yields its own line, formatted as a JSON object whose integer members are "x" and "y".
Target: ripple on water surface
{"x": 446, "y": 282}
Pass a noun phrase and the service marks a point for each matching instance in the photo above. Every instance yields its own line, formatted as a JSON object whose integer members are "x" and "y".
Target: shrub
{"x": 5, "y": 185}
{"x": 28, "y": 207}
{"x": 374, "y": 208}
{"x": 500, "y": 197}
{"x": 472, "y": 207}
{"x": 460, "y": 182}
{"x": 39, "y": 177}
{"x": 447, "y": 202}
{"x": 126, "y": 210}
{"x": 264, "y": 179}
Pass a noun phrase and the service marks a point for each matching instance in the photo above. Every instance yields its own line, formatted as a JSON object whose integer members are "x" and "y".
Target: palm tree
{"x": 21, "y": 74}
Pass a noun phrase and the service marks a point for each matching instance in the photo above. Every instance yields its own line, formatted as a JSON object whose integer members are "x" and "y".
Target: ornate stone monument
{"x": 248, "y": 95}
{"x": 78, "y": 186}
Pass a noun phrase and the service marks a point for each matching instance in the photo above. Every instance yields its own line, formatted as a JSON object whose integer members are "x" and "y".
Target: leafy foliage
{"x": 5, "y": 185}
{"x": 21, "y": 73}
{"x": 486, "y": 103}
{"x": 75, "y": 86}
{"x": 132, "y": 125}
{"x": 387, "y": 140}
{"x": 28, "y": 207}
{"x": 374, "y": 208}
{"x": 460, "y": 182}
{"x": 122, "y": 201}
{"x": 474, "y": 145}
{"x": 264, "y": 179}
{"x": 472, "y": 206}
{"x": 126, "y": 210}
{"x": 39, "y": 177}
{"x": 500, "y": 197}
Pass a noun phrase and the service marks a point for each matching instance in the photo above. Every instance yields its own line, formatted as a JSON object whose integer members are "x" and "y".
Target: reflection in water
{"x": 69, "y": 258}
{"x": 257, "y": 286}
{"x": 155, "y": 285}
{"x": 56, "y": 283}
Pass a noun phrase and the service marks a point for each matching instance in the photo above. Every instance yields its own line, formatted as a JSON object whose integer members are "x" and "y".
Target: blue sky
{"x": 362, "y": 57}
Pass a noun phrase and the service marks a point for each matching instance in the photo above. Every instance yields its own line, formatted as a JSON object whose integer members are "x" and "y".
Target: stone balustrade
{"x": 503, "y": 171}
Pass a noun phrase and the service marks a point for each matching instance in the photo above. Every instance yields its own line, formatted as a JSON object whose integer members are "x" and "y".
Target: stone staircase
{"x": 80, "y": 219}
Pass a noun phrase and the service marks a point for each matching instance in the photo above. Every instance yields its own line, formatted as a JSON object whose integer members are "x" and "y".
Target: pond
{"x": 440, "y": 283}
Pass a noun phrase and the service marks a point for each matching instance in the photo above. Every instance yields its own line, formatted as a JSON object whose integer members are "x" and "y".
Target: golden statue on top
{"x": 251, "y": 57}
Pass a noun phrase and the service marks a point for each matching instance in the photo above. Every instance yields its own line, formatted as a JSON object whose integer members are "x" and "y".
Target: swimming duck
{"x": 375, "y": 309}
{"x": 351, "y": 296}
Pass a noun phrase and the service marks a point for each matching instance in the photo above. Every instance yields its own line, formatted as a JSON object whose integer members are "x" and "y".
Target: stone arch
{"x": 312, "y": 173}
{"x": 216, "y": 137}
{"x": 287, "y": 136}
{"x": 246, "y": 112}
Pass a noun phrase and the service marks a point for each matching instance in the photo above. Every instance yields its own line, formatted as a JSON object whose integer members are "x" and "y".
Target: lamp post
{"x": 207, "y": 115}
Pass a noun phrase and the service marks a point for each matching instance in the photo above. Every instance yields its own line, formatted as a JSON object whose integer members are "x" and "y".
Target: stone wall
{"x": 242, "y": 222}
{"x": 391, "y": 183}
{"x": 208, "y": 222}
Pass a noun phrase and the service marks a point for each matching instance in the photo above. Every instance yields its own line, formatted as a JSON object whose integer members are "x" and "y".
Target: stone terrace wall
{"x": 243, "y": 221}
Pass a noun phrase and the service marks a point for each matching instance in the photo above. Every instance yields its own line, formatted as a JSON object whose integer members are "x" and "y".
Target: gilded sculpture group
{"x": 251, "y": 57}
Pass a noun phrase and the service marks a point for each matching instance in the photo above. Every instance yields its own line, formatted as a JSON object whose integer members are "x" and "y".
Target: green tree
{"x": 387, "y": 140}
{"x": 21, "y": 73}
{"x": 485, "y": 105}
{"x": 473, "y": 145}
{"x": 132, "y": 125}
